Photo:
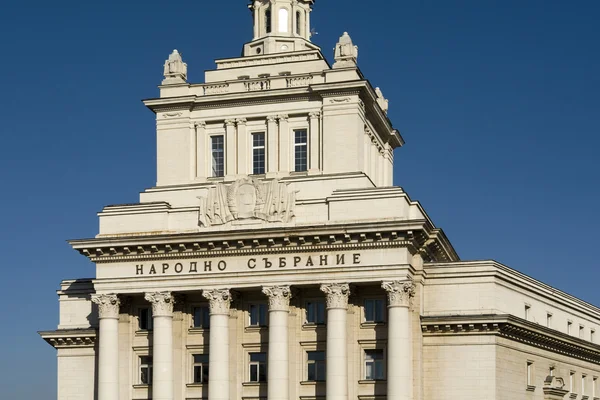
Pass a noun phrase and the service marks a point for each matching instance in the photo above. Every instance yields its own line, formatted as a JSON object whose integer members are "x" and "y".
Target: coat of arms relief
{"x": 247, "y": 198}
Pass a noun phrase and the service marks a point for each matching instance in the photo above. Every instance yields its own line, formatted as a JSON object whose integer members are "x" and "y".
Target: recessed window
{"x": 374, "y": 310}
{"x": 583, "y": 385}
{"x": 315, "y": 312}
{"x": 283, "y": 20}
{"x": 551, "y": 371}
{"x": 527, "y": 311}
{"x": 594, "y": 386}
{"x": 145, "y": 319}
{"x": 529, "y": 373}
{"x": 258, "y": 153}
{"x": 315, "y": 366}
{"x": 592, "y": 335}
{"x": 268, "y": 26}
{"x": 549, "y": 320}
{"x": 581, "y": 331}
{"x": 258, "y": 367}
{"x": 201, "y": 317}
{"x": 572, "y": 382}
{"x": 200, "y": 368}
{"x": 300, "y": 150}
{"x": 217, "y": 147}
{"x": 374, "y": 364}
{"x": 258, "y": 314}
{"x": 569, "y": 326}
{"x": 146, "y": 370}
{"x": 298, "y": 23}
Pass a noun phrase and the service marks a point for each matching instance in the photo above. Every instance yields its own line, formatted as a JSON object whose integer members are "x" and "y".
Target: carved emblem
{"x": 247, "y": 198}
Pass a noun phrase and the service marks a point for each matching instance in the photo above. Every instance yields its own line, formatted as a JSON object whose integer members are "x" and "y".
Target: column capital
{"x": 162, "y": 303}
{"x": 400, "y": 293}
{"x": 230, "y": 122}
{"x": 279, "y": 297}
{"x": 108, "y": 305}
{"x": 200, "y": 124}
{"x": 314, "y": 114}
{"x": 283, "y": 117}
{"x": 337, "y": 295}
{"x": 219, "y": 300}
{"x": 241, "y": 121}
{"x": 272, "y": 118}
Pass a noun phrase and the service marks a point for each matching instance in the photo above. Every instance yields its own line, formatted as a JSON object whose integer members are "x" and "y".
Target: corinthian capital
{"x": 314, "y": 114}
{"x": 162, "y": 303}
{"x": 400, "y": 293}
{"x": 219, "y": 300}
{"x": 272, "y": 118}
{"x": 283, "y": 117}
{"x": 230, "y": 122}
{"x": 279, "y": 297}
{"x": 108, "y": 305}
{"x": 337, "y": 294}
{"x": 241, "y": 121}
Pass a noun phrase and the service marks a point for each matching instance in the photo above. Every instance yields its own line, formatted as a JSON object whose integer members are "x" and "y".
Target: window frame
{"x": 316, "y": 363}
{"x": 258, "y": 365}
{"x": 147, "y": 365}
{"x": 315, "y": 303}
{"x": 263, "y": 317}
{"x": 203, "y": 366}
{"x": 297, "y": 145}
{"x": 205, "y": 314}
{"x": 211, "y": 138}
{"x": 264, "y": 152}
{"x": 150, "y": 319}
{"x": 381, "y": 362}
{"x": 376, "y": 300}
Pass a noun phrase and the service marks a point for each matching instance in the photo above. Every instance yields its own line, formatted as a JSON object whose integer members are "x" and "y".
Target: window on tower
{"x": 283, "y": 20}
{"x": 298, "y": 23}
{"x": 258, "y": 153}
{"x": 300, "y": 150}
{"x": 218, "y": 156}
{"x": 268, "y": 20}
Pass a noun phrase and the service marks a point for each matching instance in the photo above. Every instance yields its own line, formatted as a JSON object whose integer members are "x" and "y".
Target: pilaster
{"x": 284, "y": 144}
{"x": 243, "y": 149}
{"x": 314, "y": 158}
{"x": 272, "y": 151}
{"x": 230, "y": 144}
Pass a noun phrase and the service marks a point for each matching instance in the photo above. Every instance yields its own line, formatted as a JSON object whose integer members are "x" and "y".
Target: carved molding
{"x": 279, "y": 297}
{"x": 400, "y": 293}
{"x": 337, "y": 295}
{"x": 172, "y": 115}
{"x": 108, "y": 305}
{"x": 162, "y": 303}
{"x": 219, "y": 301}
{"x": 340, "y": 100}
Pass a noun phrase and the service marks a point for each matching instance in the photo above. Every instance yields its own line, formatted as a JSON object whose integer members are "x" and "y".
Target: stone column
{"x": 337, "y": 357}
{"x": 230, "y": 148}
{"x": 162, "y": 345}
{"x": 256, "y": 19}
{"x": 314, "y": 141}
{"x": 108, "y": 357}
{"x": 272, "y": 152}
{"x": 242, "y": 147}
{"x": 284, "y": 144}
{"x": 277, "y": 366}
{"x": 399, "y": 349}
{"x": 218, "y": 353}
{"x": 203, "y": 156}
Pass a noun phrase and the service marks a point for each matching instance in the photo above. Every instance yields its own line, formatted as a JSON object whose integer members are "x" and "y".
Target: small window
{"x": 268, "y": 26}
{"x": 529, "y": 373}
{"x": 551, "y": 371}
{"x": 300, "y": 150}
{"x": 258, "y": 367}
{"x": 592, "y": 335}
{"x": 527, "y": 311}
{"x": 283, "y": 20}
{"x": 549, "y": 320}
{"x": 145, "y": 319}
{"x": 581, "y": 331}
{"x": 569, "y": 326}
{"x": 258, "y": 314}
{"x": 374, "y": 365}
{"x": 200, "y": 368}
{"x": 583, "y": 379}
{"x": 298, "y": 23}
{"x": 572, "y": 382}
{"x": 258, "y": 153}
{"x": 218, "y": 156}
{"x": 315, "y": 366}
{"x": 315, "y": 312}
{"x": 146, "y": 370}
{"x": 201, "y": 317}
{"x": 594, "y": 387}
{"x": 374, "y": 310}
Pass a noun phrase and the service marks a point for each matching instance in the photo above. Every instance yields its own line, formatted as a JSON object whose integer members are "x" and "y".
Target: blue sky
{"x": 497, "y": 100}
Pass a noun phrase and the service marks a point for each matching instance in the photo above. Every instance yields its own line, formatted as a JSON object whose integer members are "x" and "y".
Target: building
{"x": 275, "y": 260}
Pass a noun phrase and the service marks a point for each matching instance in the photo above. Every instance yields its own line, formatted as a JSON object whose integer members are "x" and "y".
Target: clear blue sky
{"x": 498, "y": 101}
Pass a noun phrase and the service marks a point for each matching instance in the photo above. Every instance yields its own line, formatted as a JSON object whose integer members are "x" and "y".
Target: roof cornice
{"x": 74, "y": 338}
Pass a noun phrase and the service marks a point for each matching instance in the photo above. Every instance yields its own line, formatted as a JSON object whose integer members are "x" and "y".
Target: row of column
{"x": 399, "y": 348}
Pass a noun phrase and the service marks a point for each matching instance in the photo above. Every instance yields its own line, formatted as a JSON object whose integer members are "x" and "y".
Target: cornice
{"x": 77, "y": 338}
{"x": 515, "y": 329}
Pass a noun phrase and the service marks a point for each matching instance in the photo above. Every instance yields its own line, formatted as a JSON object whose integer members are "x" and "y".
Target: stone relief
{"x": 337, "y": 294}
{"x": 219, "y": 300}
{"x": 400, "y": 293}
{"x": 108, "y": 305}
{"x": 247, "y": 198}
{"x": 279, "y": 297}
{"x": 162, "y": 303}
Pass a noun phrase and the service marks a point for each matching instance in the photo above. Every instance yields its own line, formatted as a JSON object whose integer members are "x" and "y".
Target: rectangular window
{"x": 549, "y": 320}
{"x": 258, "y": 314}
{"x": 529, "y": 373}
{"x": 527, "y": 311}
{"x": 315, "y": 366}
{"x": 572, "y": 382}
{"x": 374, "y": 310}
{"x": 581, "y": 331}
{"x": 594, "y": 387}
{"x": 145, "y": 319}
{"x": 315, "y": 312}
{"x": 583, "y": 379}
{"x": 374, "y": 365}
{"x": 592, "y": 335}
{"x": 258, "y": 153}
{"x": 146, "y": 370}
{"x": 258, "y": 367}
{"x": 569, "y": 326}
{"x": 201, "y": 317}
{"x": 551, "y": 371}
{"x": 200, "y": 368}
{"x": 217, "y": 148}
{"x": 301, "y": 150}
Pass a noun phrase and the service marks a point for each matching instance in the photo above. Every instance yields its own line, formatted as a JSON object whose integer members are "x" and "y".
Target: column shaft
{"x": 108, "y": 348}
{"x": 162, "y": 345}
{"x": 230, "y": 144}
{"x": 278, "y": 362}
{"x": 337, "y": 345}
{"x": 284, "y": 144}
{"x": 243, "y": 149}
{"x": 218, "y": 356}
{"x": 203, "y": 158}
{"x": 314, "y": 142}
{"x": 272, "y": 149}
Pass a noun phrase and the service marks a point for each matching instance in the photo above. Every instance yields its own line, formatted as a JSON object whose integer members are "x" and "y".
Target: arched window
{"x": 298, "y": 23}
{"x": 268, "y": 20}
{"x": 283, "y": 20}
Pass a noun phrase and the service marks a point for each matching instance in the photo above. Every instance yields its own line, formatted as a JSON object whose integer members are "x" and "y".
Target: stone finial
{"x": 175, "y": 69}
{"x": 382, "y": 101}
{"x": 346, "y": 53}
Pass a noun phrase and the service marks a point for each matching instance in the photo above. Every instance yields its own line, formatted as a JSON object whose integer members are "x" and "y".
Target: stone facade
{"x": 274, "y": 259}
